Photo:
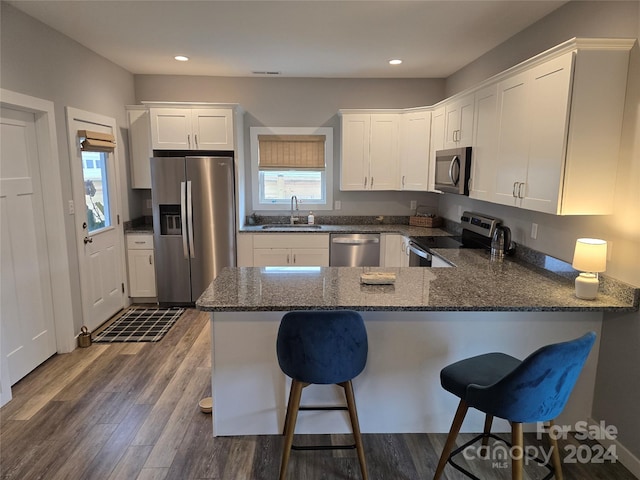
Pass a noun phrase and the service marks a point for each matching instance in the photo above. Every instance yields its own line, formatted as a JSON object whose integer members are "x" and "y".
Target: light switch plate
{"x": 534, "y": 230}
{"x": 414, "y": 205}
{"x": 337, "y": 205}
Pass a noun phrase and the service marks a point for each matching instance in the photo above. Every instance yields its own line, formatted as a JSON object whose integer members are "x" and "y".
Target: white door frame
{"x": 76, "y": 115}
{"x": 54, "y": 212}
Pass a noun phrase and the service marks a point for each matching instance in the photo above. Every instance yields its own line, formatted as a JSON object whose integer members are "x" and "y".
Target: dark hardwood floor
{"x": 130, "y": 411}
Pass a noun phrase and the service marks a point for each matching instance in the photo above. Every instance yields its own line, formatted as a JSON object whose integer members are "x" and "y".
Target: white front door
{"x": 26, "y": 305}
{"x": 98, "y": 231}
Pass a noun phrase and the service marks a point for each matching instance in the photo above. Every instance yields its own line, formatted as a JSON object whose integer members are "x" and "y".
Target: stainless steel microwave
{"x": 453, "y": 169}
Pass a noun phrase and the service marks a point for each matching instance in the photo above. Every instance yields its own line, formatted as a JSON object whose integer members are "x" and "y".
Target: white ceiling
{"x": 319, "y": 38}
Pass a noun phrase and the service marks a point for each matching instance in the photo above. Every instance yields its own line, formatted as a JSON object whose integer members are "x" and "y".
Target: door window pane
{"x": 96, "y": 190}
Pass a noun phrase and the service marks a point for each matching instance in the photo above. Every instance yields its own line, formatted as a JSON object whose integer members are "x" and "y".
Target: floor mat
{"x": 140, "y": 325}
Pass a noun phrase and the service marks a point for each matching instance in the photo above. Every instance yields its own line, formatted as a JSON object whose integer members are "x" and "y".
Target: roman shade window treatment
{"x": 287, "y": 152}
{"x": 96, "y": 141}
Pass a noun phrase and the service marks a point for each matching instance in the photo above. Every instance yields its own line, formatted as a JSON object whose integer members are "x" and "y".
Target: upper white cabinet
{"x": 192, "y": 128}
{"x": 485, "y": 139}
{"x": 437, "y": 143}
{"x": 459, "y": 122}
{"x": 559, "y": 131}
{"x": 140, "y": 150}
{"x": 370, "y": 151}
{"x": 415, "y": 134}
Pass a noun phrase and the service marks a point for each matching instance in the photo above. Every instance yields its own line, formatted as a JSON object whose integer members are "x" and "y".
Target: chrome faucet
{"x": 294, "y": 218}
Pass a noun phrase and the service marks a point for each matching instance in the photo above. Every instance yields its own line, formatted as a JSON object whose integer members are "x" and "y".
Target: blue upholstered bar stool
{"x": 535, "y": 389}
{"x": 321, "y": 347}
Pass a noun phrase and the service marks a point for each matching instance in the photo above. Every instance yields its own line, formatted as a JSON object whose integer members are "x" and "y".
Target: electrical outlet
{"x": 414, "y": 205}
{"x": 534, "y": 230}
{"x": 72, "y": 208}
{"x": 337, "y": 205}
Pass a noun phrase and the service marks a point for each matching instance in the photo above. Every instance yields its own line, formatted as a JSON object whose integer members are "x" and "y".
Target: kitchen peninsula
{"x": 429, "y": 318}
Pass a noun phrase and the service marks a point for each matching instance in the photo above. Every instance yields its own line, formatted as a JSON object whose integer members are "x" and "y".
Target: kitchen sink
{"x": 288, "y": 226}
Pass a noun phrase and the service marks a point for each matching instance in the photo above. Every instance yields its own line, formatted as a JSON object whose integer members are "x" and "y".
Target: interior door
{"x": 98, "y": 231}
{"x": 26, "y": 324}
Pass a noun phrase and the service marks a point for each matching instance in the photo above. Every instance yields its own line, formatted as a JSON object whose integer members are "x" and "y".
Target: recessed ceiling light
{"x": 395, "y": 61}
{"x": 181, "y": 58}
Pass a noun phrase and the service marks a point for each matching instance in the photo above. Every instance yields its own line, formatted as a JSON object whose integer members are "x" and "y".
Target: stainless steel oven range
{"x": 477, "y": 231}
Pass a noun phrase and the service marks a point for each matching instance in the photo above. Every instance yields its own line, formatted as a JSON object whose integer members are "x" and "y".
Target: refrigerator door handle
{"x": 183, "y": 219}
{"x": 192, "y": 251}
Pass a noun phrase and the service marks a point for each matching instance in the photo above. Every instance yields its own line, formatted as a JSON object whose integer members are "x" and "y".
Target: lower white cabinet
{"x": 396, "y": 251}
{"x": 293, "y": 257}
{"x": 296, "y": 250}
{"x": 141, "y": 265}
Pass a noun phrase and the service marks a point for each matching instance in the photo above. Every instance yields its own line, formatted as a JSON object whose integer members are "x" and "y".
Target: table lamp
{"x": 590, "y": 257}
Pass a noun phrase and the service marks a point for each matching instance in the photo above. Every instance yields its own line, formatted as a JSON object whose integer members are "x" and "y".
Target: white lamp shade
{"x": 590, "y": 255}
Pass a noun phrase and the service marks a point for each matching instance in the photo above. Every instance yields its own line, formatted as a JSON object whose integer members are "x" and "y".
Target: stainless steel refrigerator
{"x": 193, "y": 224}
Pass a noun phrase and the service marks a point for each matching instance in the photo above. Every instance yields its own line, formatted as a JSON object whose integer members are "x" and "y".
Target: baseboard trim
{"x": 625, "y": 457}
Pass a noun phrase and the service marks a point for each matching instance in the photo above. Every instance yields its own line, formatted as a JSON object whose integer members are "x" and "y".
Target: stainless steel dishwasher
{"x": 354, "y": 250}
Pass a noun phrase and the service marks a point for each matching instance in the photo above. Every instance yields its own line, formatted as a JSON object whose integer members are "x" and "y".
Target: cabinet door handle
{"x": 189, "y": 140}
{"x": 150, "y": 261}
{"x": 294, "y": 258}
{"x": 520, "y": 185}
{"x": 365, "y": 182}
{"x": 196, "y": 138}
{"x": 513, "y": 192}
{"x": 287, "y": 259}
{"x": 371, "y": 182}
{"x": 402, "y": 181}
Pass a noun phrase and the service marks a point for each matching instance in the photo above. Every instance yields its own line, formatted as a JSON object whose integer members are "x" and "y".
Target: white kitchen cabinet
{"x": 294, "y": 250}
{"x": 459, "y": 122}
{"x": 192, "y": 128}
{"x": 141, "y": 265}
{"x": 294, "y": 257}
{"x": 415, "y": 137}
{"x": 395, "y": 250}
{"x": 559, "y": 133}
{"x": 370, "y": 151}
{"x": 437, "y": 143}
{"x": 140, "y": 150}
{"x": 485, "y": 141}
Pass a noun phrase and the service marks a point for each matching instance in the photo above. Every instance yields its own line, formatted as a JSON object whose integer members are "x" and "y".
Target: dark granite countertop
{"x": 139, "y": 225}
{"x": 139, "y": 229}
{"x": 476, "y": 283}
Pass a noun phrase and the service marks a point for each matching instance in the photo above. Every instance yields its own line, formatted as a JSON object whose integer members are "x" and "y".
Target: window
{"x": 95, "y": 149}
{"x": 95, "y": 190}
{"x": 292, "y": 161}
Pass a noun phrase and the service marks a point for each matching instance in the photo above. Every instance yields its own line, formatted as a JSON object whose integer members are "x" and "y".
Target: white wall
{"x": 40, "y": 62}
{"x": 618, "y": 385}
